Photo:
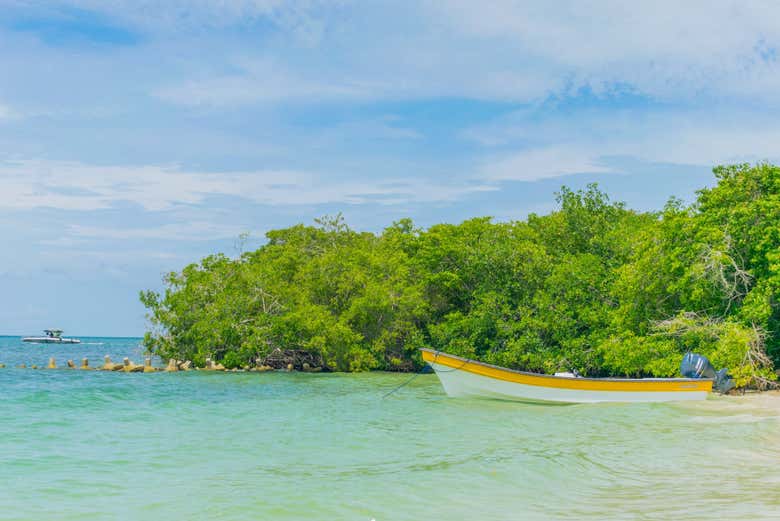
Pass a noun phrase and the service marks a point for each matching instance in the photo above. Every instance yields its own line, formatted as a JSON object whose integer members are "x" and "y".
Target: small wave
{"x": 736, "y": 418}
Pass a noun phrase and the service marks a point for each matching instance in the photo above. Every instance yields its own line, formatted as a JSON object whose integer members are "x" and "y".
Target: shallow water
{"x": 196, "y": 445}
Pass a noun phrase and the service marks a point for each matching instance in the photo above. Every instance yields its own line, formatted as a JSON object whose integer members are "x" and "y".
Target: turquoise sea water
{"x": 196, "y": 445}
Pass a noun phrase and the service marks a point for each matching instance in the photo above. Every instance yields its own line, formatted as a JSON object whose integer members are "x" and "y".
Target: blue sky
{"x": 138, "y": 136}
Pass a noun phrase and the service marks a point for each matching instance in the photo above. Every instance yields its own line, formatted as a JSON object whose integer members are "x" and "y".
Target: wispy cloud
{"x": 653, "y": 48}
{"x": 190, "y": 231}
{"x": 264, "y": 81}
{"x": 505, "y": 51}
{"x": 520, "y": 147}
{"x": 247, "y": 52}
{"x": 543, "y": 163}
{"x": 78, "y": 186}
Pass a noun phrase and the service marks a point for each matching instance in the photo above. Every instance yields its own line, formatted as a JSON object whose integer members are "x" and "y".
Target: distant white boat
{"x": 53, "y": 336}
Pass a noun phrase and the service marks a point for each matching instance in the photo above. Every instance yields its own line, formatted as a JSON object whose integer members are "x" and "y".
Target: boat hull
{"x": 48, "y": 340}
{"x": 461, "y": 377}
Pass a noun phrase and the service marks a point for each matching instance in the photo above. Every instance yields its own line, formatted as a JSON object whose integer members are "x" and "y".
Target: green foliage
{"x": 592, "y": 286}
{"x": 725, "y": 342}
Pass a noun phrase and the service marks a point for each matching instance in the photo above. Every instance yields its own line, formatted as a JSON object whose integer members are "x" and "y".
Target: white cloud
{"x": 542, "y": 163}
{"x": 190, "y": 231}
{"x": 77, "y": 186}
{"x": 667, "y": 49}
{"x": 581, "y": 143}
{"x": 502, "y": 50}
{"x": 712, "y": 54}
{"x": 245, "y": 52}
{"x": 263, "y": 81}
{"x": 397, "y": 69}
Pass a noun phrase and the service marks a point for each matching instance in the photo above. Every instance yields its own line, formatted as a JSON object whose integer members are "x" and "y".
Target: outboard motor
{"x": 697, "y": 366}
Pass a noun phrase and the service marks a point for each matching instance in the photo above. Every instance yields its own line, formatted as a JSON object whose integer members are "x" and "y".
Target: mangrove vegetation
{"x": 593, "y": 286}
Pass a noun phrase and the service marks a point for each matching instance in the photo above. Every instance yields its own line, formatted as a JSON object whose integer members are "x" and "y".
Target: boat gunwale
{"x": 553, "y": 377}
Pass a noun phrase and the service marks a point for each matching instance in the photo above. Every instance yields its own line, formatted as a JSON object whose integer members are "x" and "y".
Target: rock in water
{"x": 211, "y": 366}
{"x": 111, "y": 366}
{"x": 130, "y": 367}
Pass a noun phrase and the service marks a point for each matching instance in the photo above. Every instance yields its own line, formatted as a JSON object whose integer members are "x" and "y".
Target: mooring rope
{"x": 407, "y": 382}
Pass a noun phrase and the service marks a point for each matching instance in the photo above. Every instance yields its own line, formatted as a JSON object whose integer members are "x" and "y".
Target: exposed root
{"x": 757, "y": 359}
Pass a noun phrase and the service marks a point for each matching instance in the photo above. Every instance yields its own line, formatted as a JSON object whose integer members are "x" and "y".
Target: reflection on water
{"x": 76, "y": 445}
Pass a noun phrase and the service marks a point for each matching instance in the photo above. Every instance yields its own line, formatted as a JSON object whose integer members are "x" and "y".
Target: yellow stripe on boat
{"x": 619, "y": 385}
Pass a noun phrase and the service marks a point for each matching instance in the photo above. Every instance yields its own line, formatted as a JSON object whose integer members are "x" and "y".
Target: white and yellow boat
{"x": 464, "y": 377}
